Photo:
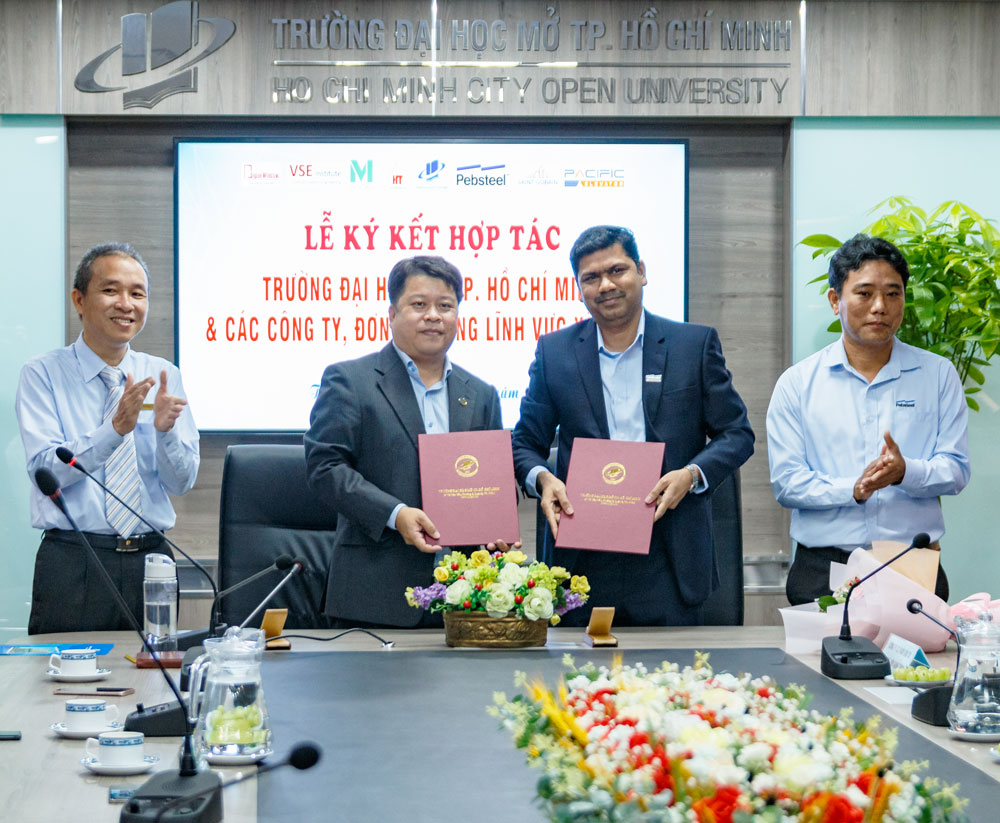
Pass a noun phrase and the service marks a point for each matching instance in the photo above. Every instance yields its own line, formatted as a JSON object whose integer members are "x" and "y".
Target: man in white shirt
{"x": 866, "y": 434}
{"x": 124, "y": 416}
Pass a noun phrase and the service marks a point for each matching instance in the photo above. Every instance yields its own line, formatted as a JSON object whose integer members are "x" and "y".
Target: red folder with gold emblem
{"x": 607, "y": 483}
{"x": 467, "y": 485}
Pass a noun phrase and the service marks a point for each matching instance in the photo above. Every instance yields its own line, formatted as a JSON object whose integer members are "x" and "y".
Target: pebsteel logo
{"x": 594, "y": 178}
{"x": 173, "y": 32}
{"x": 480, "y": 174}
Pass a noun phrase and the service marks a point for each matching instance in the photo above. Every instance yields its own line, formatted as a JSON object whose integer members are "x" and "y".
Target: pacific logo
{"x": 594, "y": 178}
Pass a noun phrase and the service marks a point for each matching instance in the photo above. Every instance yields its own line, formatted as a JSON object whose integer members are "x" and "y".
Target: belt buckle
{"x": 129, "y": 544}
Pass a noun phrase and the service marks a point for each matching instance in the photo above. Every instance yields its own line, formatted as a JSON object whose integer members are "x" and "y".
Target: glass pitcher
{"x": 232, "y": 722}
{"x": 975, "y": 699}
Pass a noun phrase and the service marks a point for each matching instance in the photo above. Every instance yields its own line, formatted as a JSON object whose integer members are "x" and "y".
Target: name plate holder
{"x": 599, "y": 628}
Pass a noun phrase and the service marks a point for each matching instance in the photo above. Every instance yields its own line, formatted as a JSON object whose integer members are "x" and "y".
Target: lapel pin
{"x": 462, "y": 401}
{"x": 654, "y": 378}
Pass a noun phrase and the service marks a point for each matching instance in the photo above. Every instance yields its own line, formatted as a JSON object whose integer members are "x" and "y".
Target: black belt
{"x": 135, "y": 543}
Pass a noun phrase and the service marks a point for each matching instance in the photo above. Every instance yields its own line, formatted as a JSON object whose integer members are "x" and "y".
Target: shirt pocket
{"x": 915, "y": 432}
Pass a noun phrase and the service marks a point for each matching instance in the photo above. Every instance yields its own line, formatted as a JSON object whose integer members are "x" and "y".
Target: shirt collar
{"x": 639, "y": 332}
{"x": 411, "y": 366}
{"x": 91, "y": 364}
{"x": 901, "y": 359}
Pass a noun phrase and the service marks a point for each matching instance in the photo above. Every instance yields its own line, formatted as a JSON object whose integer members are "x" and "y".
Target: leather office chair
{"x": 267, "y": 510}
{"x": 724, "y": 606}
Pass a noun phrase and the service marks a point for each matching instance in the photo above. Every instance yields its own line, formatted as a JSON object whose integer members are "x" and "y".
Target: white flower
{"x": 538, "y": 604}
{"x": 501, "y": 601}
{"x": 513, "y": 576}
{"x": 458, "y": 592}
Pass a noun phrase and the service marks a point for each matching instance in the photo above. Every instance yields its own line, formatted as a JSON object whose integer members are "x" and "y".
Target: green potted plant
{"x": 953, "y": 295}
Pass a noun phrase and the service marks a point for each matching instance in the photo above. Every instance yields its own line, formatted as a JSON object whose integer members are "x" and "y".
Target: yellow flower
{"x": 515, "y": 556}
{"x": 554, "y": 620}
{"x": 440, "y": 574}
{"x": 479, "y": 558}
{"x": 559, "y": 573}
{"x": 409, "y": 596}
{"x": 579, "y": 584}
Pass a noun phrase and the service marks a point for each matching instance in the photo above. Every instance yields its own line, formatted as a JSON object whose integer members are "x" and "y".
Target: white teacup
{"x": 75, "y": 662}
{"x": 89, "y": 714}
{"x": 117, "y": 748}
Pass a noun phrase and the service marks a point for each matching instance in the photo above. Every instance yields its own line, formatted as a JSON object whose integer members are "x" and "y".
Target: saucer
{"x": 975, "y": 737}
{"x": 94, "y": 765}
{"x": 100, "y": 674}
{"x": 72, "y": 734}
{"x": 238, "y": 759}
{"x": 918, "y": 684}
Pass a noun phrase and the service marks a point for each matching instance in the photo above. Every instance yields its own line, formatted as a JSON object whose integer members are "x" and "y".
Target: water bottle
{"x": 159, "y": 597}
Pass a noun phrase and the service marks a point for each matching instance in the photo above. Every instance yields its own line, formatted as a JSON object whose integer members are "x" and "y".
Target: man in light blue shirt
{"x": 74, "y": 398}
{"x": 866, "y": 434}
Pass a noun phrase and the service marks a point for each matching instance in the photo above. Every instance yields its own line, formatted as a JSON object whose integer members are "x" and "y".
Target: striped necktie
{"x": 121, "y": 471}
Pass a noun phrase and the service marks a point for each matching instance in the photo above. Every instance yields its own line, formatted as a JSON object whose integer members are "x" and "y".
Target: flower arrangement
{"x": 688, "y": 745}
{"x": 839, "y": 596}
{"x": 500, "y": 584}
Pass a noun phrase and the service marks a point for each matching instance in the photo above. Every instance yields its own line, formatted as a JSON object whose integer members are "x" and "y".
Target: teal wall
{"x": 32, "y": 319}
{"x": 841, "y": 167}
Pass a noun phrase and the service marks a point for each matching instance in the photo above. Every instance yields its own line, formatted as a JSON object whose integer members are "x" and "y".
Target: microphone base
{"x": 190, "y": 656}
{"x": 166, "y": 787}
{"x": 162, "y": 720}
{"x": 931, "y": 706}
{"x": 191, "y": 637}
{"x": 854, "y": 659}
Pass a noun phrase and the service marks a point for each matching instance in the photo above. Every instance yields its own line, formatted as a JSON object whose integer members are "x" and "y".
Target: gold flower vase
{"x": 480, "y": 630}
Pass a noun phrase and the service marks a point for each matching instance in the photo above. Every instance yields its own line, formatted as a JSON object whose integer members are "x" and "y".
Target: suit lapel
{"x": 395, "y": 385}
{"x": 590, "y": 375}
{"x": 461, "y": 397}
{"x": 654, "y": 362}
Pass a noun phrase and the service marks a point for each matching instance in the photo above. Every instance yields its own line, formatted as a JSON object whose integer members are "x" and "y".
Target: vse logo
{"x": 173, "y": 32}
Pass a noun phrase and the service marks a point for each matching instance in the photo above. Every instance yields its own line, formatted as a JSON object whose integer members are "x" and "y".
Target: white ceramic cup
{"x": 89, "y": 714}
{"x": 117, "y": 748}
{"x": 75, "y": 662}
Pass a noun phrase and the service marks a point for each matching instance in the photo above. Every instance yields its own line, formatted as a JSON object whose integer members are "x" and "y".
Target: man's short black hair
{"x": 597, "y": 238}
{"x": 85, "y": 271}
{"x": 857, "y": 251}
{"x": 430, "y": 267}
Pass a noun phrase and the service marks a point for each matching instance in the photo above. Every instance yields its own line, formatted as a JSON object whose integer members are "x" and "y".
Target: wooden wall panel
{"x": 29, "y": 57}
{"x": 737, "y": 271}
{"x": 867, "y": 58}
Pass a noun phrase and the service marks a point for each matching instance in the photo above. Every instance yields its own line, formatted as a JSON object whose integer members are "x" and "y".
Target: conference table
{"x": 404, "y": 730}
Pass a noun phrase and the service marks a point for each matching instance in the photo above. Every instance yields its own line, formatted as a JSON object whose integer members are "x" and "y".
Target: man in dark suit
{"x": 627, "y": 374}
{"x": 361, "y": 447}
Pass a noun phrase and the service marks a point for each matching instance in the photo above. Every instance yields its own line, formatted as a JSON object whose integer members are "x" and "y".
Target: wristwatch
{"x": 695, "y": 474}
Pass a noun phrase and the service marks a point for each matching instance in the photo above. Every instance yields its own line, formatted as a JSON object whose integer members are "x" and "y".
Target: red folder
{"x": 607, "y": 484}
{"x": 467, "y": 485}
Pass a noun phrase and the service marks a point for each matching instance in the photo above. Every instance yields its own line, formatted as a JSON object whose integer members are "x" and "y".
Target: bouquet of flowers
{"x": 692, "y": 746}
{"x": 500, "y": 584}
{"x": 839, "y": 596}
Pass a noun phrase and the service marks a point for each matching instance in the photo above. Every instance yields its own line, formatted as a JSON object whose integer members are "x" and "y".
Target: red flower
{"x": 720, "y": 807}
{"x": 840, "y": 810}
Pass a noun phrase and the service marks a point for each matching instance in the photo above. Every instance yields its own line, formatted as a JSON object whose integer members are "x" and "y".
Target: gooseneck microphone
{"x": 166, "y": 786}
{"x": 857, "y": 658}
{"x": 931, "y": 705}
{"x": 302, "y": 756}
{"x": 281, "y": 563}
{"x": 297, "y": 567}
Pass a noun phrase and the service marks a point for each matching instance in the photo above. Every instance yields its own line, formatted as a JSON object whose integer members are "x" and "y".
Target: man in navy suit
{"x": 627, "y": 374}
{"x": 361, "y": 447}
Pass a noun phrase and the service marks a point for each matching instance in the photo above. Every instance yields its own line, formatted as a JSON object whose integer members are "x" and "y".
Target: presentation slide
{"x": 284, "y": 249}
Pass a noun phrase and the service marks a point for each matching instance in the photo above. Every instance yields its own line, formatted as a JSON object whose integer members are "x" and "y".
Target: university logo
{"x": 170, "y": 33}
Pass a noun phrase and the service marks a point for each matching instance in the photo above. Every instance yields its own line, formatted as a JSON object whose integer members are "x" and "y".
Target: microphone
{"x": 281, "y": 562}
{"x": 931, "y": 705}
{"x": 302, "y": 756}
{"x": 185, "y": 639}
{"x": 171, "y": 784}
{"x": 297, "y": 567}
{"x": 858, "y": 658}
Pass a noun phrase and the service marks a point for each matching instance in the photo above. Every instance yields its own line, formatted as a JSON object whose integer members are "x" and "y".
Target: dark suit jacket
{"x": 690, "y": 405}
{"x": 361, "y": 456}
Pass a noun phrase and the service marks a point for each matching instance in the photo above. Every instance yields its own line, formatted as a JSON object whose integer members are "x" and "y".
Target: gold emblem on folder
{"x": 613, "y": 473}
